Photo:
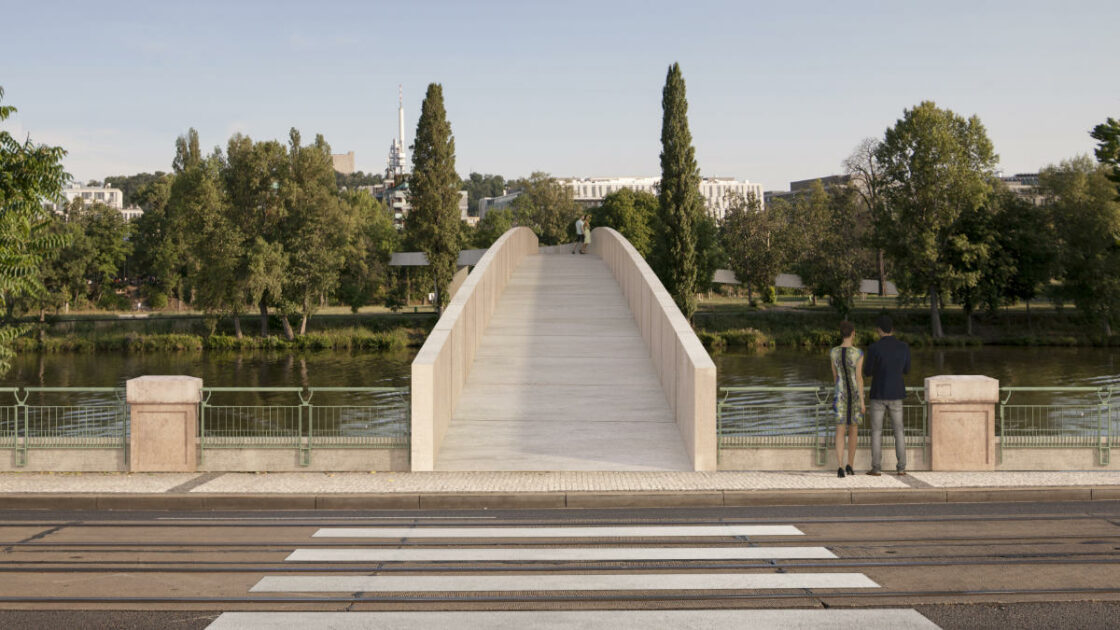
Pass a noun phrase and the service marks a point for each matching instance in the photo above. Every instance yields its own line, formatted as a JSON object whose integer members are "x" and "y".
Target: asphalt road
{"x": 1021, "y": 565}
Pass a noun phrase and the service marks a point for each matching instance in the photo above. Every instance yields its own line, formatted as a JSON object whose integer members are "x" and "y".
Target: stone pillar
{"x": 962, "y": 422}
{"x": 164, "y": 418}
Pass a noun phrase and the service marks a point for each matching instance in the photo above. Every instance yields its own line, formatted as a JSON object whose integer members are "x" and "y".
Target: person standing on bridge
{"x": 888, "y": 359}
{"x": 586, "y": 233}
{"x": 848, "y": 403}
{"x": 579, "y": 235}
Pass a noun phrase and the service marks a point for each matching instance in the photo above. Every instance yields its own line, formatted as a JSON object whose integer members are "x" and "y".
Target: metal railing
{"x": 1066, "y": 417}
{"x": 63, "y": 418}
{"x": 802, "y": 417}
{"x": 291, "y": 418}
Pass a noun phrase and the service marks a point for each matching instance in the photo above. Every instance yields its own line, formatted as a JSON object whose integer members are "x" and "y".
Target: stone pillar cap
{"x": 163, "y": 390}
{"x": 962, "y": 388}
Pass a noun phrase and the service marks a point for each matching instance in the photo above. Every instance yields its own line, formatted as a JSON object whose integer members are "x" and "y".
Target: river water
{"x": 1042, "y": 367}
{"x": 779, "y": 367}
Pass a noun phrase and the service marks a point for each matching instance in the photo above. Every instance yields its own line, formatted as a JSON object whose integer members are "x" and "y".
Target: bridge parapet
{"x": 687, "y": 372}
{"x": 444, "y": 361}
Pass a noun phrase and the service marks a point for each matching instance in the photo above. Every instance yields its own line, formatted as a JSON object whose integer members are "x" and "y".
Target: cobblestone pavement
{"x": 443, "y": 482}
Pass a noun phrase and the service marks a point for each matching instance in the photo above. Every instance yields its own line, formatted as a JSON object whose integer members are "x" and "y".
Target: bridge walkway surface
{"x": 562, "y": 380}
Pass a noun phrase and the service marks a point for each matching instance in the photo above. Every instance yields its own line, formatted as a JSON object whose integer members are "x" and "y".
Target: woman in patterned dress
{"x": 848, "y": 403}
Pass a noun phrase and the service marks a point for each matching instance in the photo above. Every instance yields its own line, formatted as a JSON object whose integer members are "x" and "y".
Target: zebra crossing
{"x": 509, "y": 544}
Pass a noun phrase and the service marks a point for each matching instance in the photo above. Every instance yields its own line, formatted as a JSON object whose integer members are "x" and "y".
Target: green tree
{"x": 29, "y": 173}
{"x": 822, "y": 239}
{"x": 1025, "y": 233}
{"x": 981, "y": 267}
{"x": 252, "y": 175}
{"x": 104, "y": 243}
{"x": 710, "y": 254}
{"x": 150, "y": 262}
{"x": 478, "y": 186}
{"x": 1107, "y": 135}
{"x": 371, "y": 242}
{"x": 679, "y": 201}
{"x": 433, "y": 222}
{"x": 937, "y": 165}
{"x": 216, "y": 245}
{"x": 315, "y": 232}
{"x": 547, "y": 207}
{"x": 131, "y": 186}
{"x": 868, "y": 183}
{"x": 492, "y": 226}
{"x": 751, "y": 238}
{"x": 633, "y": 214}
{"x": 1086, "y": 216}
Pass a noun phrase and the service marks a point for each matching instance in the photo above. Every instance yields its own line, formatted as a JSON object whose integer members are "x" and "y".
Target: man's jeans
{"x": 878, "y": 407}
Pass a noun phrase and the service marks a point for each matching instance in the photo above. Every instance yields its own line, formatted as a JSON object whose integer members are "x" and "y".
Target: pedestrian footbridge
{"x": 545, "y": 360}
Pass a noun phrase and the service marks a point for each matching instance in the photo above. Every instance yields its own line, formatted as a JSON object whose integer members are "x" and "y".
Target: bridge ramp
{"x": 562, "y": 380}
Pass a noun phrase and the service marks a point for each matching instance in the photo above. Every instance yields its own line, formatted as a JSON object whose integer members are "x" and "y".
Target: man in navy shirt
{"x": 887, "y": 360}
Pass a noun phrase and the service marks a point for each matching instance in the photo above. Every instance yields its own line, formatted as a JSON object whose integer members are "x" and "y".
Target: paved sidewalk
{"x": 529, "y": 482}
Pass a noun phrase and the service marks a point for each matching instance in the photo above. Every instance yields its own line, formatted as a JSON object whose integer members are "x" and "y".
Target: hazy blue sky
{"x": 777, "y": 91}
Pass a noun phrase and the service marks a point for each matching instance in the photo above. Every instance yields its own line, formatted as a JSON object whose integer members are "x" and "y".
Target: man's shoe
{"x": 874, "y": 473}
{"x": 848, "y": 469}
{"x": 840, "y": 473}
{"x": 902, "y": 473}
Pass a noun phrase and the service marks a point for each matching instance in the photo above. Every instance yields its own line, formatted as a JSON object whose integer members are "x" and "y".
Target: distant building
{"x": 111, "y": 197}
{"x": 132, "y": 213}
{"x": 486, "y": 204}
{"x": 393, "y": 190}
{"x": 343, "y": 162}
{"x": 802, "y": 186}
{"x": 717, "y": 192}
{"x": 1024, "y": 186}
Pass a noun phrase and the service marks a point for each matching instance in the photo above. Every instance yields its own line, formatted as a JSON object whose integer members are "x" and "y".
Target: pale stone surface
{"x": 110, "y": 459}
{"x": 443, "y": 362}
{"x": 962, "y": 436}
{"x": 575, "y": 481}
{"x": 794, "y": 459}
{"x": 962, "y": 426}
{"x": 163, "y": 390}
{"x": 1053, "y": 459}
{"x": 288, "y": 460}
{"x": 1016, "y": 479}
{"x": 562, "y": 380}
{"x": 505, "y": 482}
{"x": 162, "y": 437}
{"x": 684, "y": 369}
{"x": 91, "y": 482}
{"x": 961, "y": 388}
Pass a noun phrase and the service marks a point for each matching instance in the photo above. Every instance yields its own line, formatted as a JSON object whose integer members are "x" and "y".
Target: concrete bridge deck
{"x": 562, "y": 380}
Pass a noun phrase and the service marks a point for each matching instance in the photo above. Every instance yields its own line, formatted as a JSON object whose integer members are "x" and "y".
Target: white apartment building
{"x": 716, "y": 191}
{"x": 111, "y": 197}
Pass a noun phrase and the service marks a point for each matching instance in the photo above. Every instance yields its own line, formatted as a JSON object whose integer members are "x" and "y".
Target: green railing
{"x": 9, "y": 418}
{"x": 303, "y": 418}
{"x": 1059, "y": 417}
{"x": 63, "y": 417}
{"x": 802, "y": 417}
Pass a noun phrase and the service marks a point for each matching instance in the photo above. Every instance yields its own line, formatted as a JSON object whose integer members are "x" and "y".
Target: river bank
{"x": 723, "y": 325}
{"x": 381, "y": 332}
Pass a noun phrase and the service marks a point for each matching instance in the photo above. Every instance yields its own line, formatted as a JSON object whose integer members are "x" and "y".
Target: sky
{"x": 777, "y": 91}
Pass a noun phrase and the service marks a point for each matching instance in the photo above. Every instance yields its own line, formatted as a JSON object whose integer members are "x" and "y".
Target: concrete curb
{"x": 545, "y": 500}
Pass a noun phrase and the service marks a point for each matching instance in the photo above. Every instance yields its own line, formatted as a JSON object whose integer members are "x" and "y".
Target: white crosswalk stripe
{"x": 637, "y": 531}
{"x": 889, "y": 619}
{"x": 600, "y": 582}
{"x": 560, "y": 545}
{"x": 562, "y": 554}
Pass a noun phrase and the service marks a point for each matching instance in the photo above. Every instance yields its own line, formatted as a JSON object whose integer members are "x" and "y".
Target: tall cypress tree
{"x": 433, "y": 221}
{"x": 679, "y": 198}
